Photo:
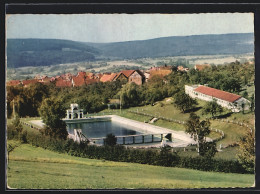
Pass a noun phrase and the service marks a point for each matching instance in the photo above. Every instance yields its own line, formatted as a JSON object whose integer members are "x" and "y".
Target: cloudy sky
{"x": 124, "y": 27}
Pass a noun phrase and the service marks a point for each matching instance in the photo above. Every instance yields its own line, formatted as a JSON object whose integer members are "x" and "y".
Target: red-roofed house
{"x": 28, "y": 82}
{"x": 63, "y": 83}
{"x": 78, "y": 81}
{"x": 13, "y": 83}
{"x": 99, "y": 75}
{"x": 132, "y": 76}
{"x": 91, "y": 81}
{"x": 201, "y": 67}
{"x": 91, "y": 75}
{"x": 127, "y": 73}
{"x": 160, "y": 71}
{"x": 108, "y": 77}
{"x": 81, "y": 74}
{"x": 225, "y": 99}
{"x": 66, "y": 76}
{"x": 137, "y": 77}
{"x": 121, "y": 77}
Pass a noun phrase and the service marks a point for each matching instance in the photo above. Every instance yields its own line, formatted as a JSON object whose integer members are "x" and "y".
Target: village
{"x": 84, "y": 78}
{"x": 106, "y": 108}
{"x": 139, "y": 77}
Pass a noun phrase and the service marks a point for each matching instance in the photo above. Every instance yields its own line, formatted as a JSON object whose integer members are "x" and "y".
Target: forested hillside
{"x": 45, "y": 52}
{"x": 180, "y": 46}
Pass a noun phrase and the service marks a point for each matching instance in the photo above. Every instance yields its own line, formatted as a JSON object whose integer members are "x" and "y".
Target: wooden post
{"x": 143, "y": 138}
{"x": 161, "y": 137}
{"x": 133, "y": 139}
{"x": 152, "y": 138}
{"x": 123, "y": 140}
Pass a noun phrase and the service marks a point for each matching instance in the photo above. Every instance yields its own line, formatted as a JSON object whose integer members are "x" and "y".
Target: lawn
{"x": 36, "y": 168}
{"x": 226, "y": 154}
{"x": 165, "y": 108}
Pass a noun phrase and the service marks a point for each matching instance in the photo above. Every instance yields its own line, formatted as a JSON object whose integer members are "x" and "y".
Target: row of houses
{"x": 228, "y": 100}
{"x": 84, "y": 78}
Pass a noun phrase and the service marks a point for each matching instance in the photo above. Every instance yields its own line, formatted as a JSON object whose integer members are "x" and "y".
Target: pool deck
{"x": 180, "y": 138}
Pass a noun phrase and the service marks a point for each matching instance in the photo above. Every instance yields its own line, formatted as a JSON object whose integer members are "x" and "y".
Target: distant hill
{"x": 180, "y": 46}
{"x": 42, "y": 52}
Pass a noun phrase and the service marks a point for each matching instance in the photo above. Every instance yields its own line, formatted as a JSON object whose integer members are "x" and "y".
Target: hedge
{"x": 162, "y": 157}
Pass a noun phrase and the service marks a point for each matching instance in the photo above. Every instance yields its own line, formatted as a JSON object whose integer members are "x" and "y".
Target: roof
{"x": 217, "y": 93}
{"x": 127, "y": 73}
{"x": 78, "y": 80}
{"x": 99, "y": 75}
{"x": 140, "y": 72}
{"x": 161, "y": 73}
{"x": 90, "y": 74}
{"x": 29, "y": 81}
{"x": 119, "y": 74}
{"x": 108, "y": 77}
{"x": 63, "y": 83}
{"x": 200, "y": 67}
{"x": 45, "y": 80}
{"x": 13, "y": 82}
{"x": 66, "y": 76}
{"x": 81, "y": 74}
{"x": 91, "y": 81}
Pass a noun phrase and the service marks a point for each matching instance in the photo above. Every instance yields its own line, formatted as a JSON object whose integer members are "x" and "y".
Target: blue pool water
{"x": 101, "y": 129}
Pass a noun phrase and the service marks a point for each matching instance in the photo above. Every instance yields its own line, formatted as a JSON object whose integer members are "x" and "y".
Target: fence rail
{"x": 29, "y": 125}
{"x": 234, "y": 122}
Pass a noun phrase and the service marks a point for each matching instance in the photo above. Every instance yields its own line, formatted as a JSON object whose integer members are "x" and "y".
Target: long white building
{"x": 225, "y": 99}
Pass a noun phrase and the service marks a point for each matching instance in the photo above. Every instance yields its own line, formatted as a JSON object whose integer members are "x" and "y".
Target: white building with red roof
{"x": 228, "y": 100}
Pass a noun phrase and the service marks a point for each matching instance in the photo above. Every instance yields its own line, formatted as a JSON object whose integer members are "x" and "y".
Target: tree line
{"x": 95, "y": 97}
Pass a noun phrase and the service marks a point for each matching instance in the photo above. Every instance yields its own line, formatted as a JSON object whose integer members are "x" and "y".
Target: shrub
{"x": 164, "y": 157}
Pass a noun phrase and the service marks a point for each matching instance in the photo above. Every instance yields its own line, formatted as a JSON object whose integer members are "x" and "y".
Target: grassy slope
{"x": 32, "y": 167}
{"x": 232, "y": 131}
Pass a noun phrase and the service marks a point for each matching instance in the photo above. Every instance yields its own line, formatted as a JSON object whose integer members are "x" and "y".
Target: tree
{"x": 243, "y": 107}
{"x": 17, "y": 124}
{"x": 129, "y": 95}
{"x": 184, "y": 101}
{"x": 245, "y": 94}
{"x": 213, "y": 108}
{"x": 110, "y": 140}
{"x": 198, "y": 131}
{"x": 52, "y": 112}
{"x": 208, "y": 149}
{"x": 246, "y": 155}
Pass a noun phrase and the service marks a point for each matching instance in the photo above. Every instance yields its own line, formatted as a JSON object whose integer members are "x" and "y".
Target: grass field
{"x": 35, "y": 168}
{"x": 165, "y": 108}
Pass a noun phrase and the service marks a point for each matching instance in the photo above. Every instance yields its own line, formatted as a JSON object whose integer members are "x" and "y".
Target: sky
{"x": 103, "y": 28}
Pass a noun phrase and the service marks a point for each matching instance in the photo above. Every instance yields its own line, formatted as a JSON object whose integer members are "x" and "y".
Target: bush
{"x": 110, "y": 140}
{"x": 24, "y": 137}
{"x": 163, "y": 157}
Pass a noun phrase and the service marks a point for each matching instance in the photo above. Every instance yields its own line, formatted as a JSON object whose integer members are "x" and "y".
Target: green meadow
{"x": 36, "y": 168}
{"x": 165, "y": 108}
